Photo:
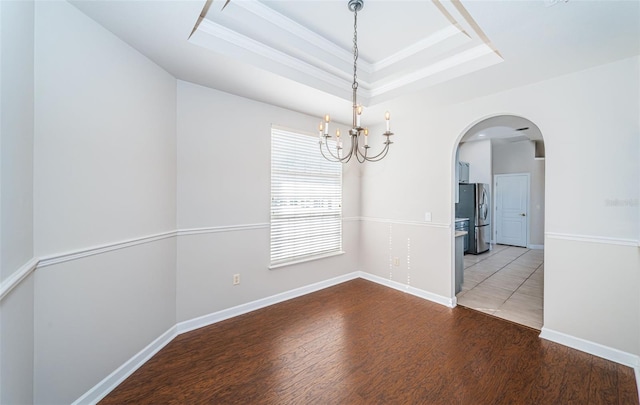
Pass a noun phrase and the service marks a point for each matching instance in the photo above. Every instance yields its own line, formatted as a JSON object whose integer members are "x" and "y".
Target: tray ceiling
{"x": 538, "y": 40}
{"x": 403, "y": 45}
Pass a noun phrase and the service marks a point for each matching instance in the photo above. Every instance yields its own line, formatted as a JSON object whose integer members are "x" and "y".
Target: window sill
{"x": 308, "y": 259}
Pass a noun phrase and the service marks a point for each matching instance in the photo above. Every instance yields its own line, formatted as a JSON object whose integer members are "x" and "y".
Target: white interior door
{"x": 512, "y": 209}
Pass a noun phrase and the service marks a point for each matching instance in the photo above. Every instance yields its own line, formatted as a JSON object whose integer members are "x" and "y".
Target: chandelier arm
{"x": 347, "y": 158}
{"x": 380, "y": 155}
{"x": 337, "y": 158}
{"x": 365, "y": 150}
{"x": 360, "y": 157}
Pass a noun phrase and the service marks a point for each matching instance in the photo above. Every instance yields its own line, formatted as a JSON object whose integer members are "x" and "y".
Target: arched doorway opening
{"x": 499, "y": 195}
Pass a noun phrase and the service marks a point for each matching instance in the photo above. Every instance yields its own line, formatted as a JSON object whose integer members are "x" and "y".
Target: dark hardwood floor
{"x": 362, "y": 343}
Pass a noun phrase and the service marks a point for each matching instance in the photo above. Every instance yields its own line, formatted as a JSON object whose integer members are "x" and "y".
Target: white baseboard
{"x": 110, "y": 382}
{"x": 637, "y": 372}
{"x": 539, "y": 247}
{"x": 218, "y": 316}
{"x": 439, "y": 299}
{"x": 596, "y": 349}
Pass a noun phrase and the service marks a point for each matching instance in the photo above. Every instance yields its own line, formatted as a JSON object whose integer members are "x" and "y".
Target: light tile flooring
{"x": 506, "y": 282}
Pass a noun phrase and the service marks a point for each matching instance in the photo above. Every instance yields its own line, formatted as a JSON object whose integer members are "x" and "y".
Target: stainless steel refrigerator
{"x": 474, "y": 204}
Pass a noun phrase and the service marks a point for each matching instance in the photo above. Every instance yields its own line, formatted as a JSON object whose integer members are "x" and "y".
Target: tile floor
{"x": 506, "y": 282}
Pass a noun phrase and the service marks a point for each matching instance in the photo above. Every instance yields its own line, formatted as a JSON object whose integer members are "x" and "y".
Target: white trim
{"x": 224, "y": 314}
{"x": 592, "y": 239}
{"x": 636, "y": 370}
{"x": 208, "y": 30}
{"x": 104, "y": 387}
{"x": 418, "y": 47}
{"x": 350, "y": 219}
{"x": 538, "y": 247}
{"x": 107, "y": 247}
{"x": 593, "y": 348}
{"x": 305, "y": 260}
{"x": 218, "y": 229}
{"x": 17, "y": 277}
{"x": 300, "y": 31}
{"x": 403, "y": 222}
{"x": 383, "y": 86}
{"x": 438, "y": 299}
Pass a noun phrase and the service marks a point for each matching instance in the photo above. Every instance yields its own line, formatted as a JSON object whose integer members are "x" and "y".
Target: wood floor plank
{"x": 627, "y": 394}
{"x": 362, "y": 343}
{"x": 603, "y": 382}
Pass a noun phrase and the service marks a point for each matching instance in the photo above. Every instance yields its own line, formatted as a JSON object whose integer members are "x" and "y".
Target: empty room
{"x": 331, "y": 202}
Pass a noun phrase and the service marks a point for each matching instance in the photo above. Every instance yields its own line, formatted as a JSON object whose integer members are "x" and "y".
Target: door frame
{"x": 494, "y": 231}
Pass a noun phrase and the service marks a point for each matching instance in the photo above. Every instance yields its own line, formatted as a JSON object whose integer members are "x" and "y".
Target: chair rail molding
{"x": 592, "y": 239}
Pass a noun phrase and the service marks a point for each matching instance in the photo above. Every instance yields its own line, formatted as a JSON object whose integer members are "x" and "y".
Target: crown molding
{"x": 298, "y": 30}
{"x": 208, "y": 32}
{"x": 450, "y": 63}
{"x": 417, "y": 47}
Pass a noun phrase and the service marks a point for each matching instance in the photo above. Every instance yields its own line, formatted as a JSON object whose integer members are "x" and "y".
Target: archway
{"x": 503, "y": 268}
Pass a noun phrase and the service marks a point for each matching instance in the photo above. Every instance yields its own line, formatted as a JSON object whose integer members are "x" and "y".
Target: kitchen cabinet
{"x": 463, "y": 169}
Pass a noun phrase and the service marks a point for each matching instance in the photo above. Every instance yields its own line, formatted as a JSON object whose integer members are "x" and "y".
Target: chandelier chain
{"x": 354, "y": 86}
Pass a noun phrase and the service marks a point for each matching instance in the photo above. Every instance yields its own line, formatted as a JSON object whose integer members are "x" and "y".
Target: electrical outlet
{"x": 396, "y": 261}
{"x": 236, "y": 279}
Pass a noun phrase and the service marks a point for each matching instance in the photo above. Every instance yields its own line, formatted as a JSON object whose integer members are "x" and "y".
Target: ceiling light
{"x": 357, "y": 132}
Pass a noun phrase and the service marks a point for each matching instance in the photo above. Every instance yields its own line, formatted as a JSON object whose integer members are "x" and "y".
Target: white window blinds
{"x": 306, "y": 199}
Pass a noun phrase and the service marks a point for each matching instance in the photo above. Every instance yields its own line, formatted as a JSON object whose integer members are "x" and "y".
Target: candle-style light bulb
{"x": 387, "y": 117}
{"x": 358, "y": 114}
{"x": 326, "y": 125}
{"x": 366, "y": 136}
{"x": 338, "y": 132}
{"x": 320, "y": 129}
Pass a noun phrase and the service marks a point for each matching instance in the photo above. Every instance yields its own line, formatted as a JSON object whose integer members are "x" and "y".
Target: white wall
{"x": 518, "y": 157}
{"x": 478, "y": 155}
{"x": 224, "y": 168}
{"x": 16, "y": 198}
{"x": 589, "y": 121}
{"x": 104, "y": 136}
{"x": 105, "y": 172}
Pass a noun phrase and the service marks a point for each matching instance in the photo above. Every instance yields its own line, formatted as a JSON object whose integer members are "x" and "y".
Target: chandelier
{"x": 359, "y": 135}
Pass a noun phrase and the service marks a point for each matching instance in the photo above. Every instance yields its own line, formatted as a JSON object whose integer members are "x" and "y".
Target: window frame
{"x": 298, "y": 163}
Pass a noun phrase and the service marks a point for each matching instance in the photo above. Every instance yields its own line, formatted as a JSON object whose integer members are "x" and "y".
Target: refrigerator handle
{"x": 485, "y": 203}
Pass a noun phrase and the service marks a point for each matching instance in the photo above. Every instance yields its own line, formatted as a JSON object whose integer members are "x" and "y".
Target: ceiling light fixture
{"x": 357, "y": 131}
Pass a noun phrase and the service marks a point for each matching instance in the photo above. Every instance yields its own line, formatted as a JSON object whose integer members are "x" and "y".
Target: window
{"x": 306, "y": 200}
